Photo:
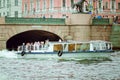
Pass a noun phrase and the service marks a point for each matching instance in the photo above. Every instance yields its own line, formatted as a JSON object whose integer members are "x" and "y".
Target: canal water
{"x": 12, "y": 68}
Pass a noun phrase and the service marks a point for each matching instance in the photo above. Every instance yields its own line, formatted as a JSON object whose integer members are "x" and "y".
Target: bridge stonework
{"x": 78, "y": 26}
{"x": 7, "y": 31}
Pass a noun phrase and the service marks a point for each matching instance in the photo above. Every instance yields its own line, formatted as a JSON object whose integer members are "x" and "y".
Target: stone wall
{"x": 7, "y": 31}
{"x": 100, "y": 33}
{"x": 115, "y": 36}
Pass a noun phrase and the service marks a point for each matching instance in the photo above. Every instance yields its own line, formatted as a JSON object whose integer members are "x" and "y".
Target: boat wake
{"x": 7, "y": 54}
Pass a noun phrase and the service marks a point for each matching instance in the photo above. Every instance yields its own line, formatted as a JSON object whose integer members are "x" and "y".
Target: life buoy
{"x": 22, "y": 53}
{"x": 60, "y": 53}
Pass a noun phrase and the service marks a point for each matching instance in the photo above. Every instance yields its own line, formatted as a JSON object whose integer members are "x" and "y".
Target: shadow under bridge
{"x": 30, "y": 37}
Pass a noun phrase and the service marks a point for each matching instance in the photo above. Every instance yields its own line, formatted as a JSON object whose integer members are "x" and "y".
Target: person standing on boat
{"x": 42, "y": 44}
{"x": 28, "y": 47}
{"x": 19, "y": 48}
{"x": 46, "y": 45}
{"x": 37, "y": 45}
{"x": 23, "y": 47}
{"x": 31, "y": 46}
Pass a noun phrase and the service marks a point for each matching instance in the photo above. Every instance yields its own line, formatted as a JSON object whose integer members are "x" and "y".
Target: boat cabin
{"x": 75, "y": 46}
{"x": 72, "y": 46}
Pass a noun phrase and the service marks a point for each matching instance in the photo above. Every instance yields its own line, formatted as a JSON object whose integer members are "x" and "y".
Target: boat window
{"x": 108, "y": 46}
{"x": 78, "y": 47}
{"x": 98, "y": 46}
{"x": 71, "y": 47}
{"x": 58, "y": 47}
{"x": 83, "y": 47}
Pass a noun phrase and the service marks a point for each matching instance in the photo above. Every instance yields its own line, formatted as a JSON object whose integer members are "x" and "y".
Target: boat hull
{"x": 65, "y": 55}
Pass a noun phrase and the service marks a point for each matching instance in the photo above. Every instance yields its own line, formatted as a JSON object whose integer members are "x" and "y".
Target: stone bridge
{"x": 15, "y": 31}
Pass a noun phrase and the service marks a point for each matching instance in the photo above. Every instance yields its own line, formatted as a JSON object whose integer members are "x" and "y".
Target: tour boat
{"x": 67, "y": 50}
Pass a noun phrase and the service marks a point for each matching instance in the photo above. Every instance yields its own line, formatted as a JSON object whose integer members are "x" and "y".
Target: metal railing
{"x": 47, "y": 21}
{"x": 102, "y": 21}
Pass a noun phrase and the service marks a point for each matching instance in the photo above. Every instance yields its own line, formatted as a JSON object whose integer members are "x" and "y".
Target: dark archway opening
{"x": 30, "y": 36}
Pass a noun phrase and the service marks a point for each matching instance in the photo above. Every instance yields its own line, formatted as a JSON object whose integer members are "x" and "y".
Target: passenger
{"x": 42, "y": 44}
{"x": 46, "y": 44}
{"x": 60, "y": 40}
{"x": 23, "y": 47}
{"x": 28, "y": 47}
{"x": 31, "y": 46}
{"x": 19, "y": 48}
{"x": 37, "y": 45}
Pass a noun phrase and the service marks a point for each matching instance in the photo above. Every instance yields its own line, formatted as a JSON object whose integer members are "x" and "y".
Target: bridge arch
{"x": 30, "y": 36}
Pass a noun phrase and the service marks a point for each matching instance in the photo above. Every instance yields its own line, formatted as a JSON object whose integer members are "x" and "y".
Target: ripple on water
{"x": 34, "y": 69}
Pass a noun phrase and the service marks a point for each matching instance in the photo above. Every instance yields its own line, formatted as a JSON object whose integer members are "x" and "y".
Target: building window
{"x": 7, "y": 13}
{"x": 16, "y": 13}
{"x": 51, "y": 16}
{"x": 44, "y": 5}
{"x": 64, "y": 3}
{"x": 3, "y": 13}
{"x": 38, "y": 4}
{"x": 16, "y": 2}
{"x": 3, "y": 3}
{"x": 0, "y": 4}
{"x": 118, "y": 5}
{"x": 31, "y": 5}
{"x": 8, "y": 4}
{"x": 113, "y": 4}
{"x": 64, "y": 15}
{"x": 106, "y": 5}
{"x": 51, "y": 4}
{"x": 72, "y": 2}
{"x": 99, "y": 4}
{"x": 25, "y": 7}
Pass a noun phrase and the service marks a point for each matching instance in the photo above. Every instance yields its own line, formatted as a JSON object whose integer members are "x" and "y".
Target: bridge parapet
{"x": 102, "y": 21}
{"x": 44, "y": 21}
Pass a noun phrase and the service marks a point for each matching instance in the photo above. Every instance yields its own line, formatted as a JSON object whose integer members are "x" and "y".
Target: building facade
{"x": 106, "y": 8}
{"x": 10, "y": 8}
{"x": 57, "y": 8}
{"x": 49, "y": 8}
{"x": 63, "y": 8}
